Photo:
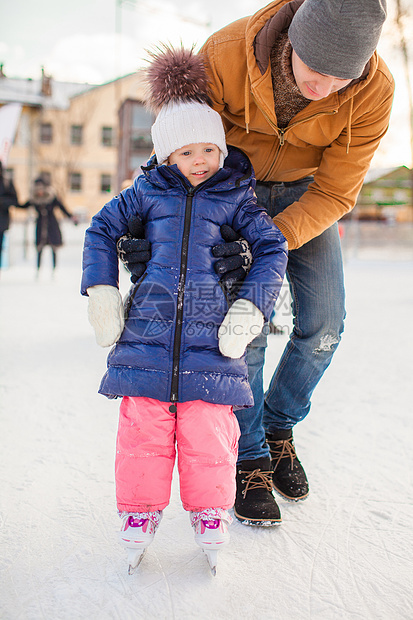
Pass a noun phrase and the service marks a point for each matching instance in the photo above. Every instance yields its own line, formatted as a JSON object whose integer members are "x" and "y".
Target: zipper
{"x": 181, "y": 293}
{"x": 281, "y": 132}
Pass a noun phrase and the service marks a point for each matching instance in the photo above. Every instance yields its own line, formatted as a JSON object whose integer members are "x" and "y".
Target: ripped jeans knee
{"x": 327, "y": 343}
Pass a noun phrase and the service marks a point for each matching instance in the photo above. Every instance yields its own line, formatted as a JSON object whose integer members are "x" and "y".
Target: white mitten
{"x": 105, "y": 312}
{"x": 242, "y": 323}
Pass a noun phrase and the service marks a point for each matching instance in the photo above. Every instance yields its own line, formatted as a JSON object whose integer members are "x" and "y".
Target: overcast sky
{"x": 93, "y": 41}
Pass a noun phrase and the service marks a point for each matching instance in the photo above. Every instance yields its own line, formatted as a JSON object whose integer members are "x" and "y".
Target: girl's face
{"x": 197, "y": 162}
{"x": 313, "y": 85}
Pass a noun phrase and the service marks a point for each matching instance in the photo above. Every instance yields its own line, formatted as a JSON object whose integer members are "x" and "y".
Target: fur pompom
{"x": 175, "y": 75}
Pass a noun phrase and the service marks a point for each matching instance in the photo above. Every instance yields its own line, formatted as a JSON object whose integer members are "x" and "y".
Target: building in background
{"x": 135, "y": 142}
{"x": 386, "y": 195}
{"x": 85, "y": 139}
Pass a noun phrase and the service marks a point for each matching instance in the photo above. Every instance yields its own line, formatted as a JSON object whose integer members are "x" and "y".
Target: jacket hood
{"x": 237, "y": 172}
{"x": 266, "y": 25}
{"x": 262, "y": 30}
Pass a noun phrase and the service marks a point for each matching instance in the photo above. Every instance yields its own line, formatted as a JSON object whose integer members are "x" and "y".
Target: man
{"x": 302, "y": 91}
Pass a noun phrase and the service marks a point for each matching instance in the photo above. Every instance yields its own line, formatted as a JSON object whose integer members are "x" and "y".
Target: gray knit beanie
{"x": 337, "y": 37}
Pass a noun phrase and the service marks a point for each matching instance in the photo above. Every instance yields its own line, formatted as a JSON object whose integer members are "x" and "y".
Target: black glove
{"x": 235, "y": 259}
{"x": 133, "y": 250}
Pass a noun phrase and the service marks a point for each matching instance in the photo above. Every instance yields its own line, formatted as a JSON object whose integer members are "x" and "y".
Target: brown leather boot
{"x": 254, "y": 502}
{"x": 288, "y": 478}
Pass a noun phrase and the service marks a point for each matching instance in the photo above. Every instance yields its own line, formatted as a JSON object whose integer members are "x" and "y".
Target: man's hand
{"x": 242, "y": 323}
{"x": 234, "y": 258}
{"x": 133, "y": 250}
{"x": 105, "y": 311}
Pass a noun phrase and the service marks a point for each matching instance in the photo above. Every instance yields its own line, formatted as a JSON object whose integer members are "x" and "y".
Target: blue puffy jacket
{"x": 169, "y": 347}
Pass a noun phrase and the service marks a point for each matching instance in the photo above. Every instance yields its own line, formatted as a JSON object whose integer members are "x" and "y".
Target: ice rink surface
{"x": 344, "y": 553}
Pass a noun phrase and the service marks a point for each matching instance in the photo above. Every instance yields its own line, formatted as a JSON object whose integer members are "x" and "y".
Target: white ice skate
{"x": 211, "y": 532}
{"x": 136, "y": 534}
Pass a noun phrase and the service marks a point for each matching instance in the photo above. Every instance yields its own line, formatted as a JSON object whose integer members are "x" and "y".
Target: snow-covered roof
{"x": 28, "y": 92}
{"x": 373, "y": 174}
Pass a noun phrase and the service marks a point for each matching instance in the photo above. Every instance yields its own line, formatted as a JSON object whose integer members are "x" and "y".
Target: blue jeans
{"x": 315, "y": 277}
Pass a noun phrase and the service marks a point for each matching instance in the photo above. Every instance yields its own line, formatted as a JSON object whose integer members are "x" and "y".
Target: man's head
{"x": 314, "y": 85}
{"x": 336, "y": 38}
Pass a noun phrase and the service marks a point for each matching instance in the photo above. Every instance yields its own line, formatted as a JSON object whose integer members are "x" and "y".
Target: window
{"x": 76, "y": 134}
{"x": 46, "y": 133}
{"x": 105, "y": 183}
{"x": 140, "y": 131}
{"x": 107, "y": 136}
{"x": 75, "y": 182}
{"x": 135, "y": 142}
{"x": 140, "y": 139}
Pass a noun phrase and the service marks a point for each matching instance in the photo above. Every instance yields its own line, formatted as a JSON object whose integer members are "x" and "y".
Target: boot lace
{"x": 282, "y": 449}
{"x": 210, "y": 514}
{"x": 154, "y": 516}
{"x": 256, "y": 479}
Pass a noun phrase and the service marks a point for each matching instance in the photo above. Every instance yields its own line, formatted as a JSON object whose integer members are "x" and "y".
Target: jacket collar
{"x": 279, "y": 22}
{"x": 237, "y": 172}
{"x": 271, "y": 30}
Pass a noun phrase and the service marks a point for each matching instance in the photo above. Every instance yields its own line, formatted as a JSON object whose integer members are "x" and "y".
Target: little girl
{"x": 178, "y": 363}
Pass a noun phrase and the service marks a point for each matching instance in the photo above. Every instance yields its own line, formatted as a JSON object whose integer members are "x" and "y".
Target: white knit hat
{"x": 187, "y": 122}
{"x": 178, "y": 92}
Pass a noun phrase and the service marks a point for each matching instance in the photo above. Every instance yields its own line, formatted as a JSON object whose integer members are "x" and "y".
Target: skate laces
{"x": 141, "y": 519}
{"x": 256, "y": 479}
{"x": 210, "y": 517}
{"x": 282, "y": 449}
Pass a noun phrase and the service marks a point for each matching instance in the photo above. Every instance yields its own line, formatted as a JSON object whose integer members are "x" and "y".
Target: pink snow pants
{"x": 206, "y": 437}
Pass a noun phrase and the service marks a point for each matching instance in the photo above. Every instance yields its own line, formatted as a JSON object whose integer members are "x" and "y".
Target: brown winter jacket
{"x": 334, "y": 138}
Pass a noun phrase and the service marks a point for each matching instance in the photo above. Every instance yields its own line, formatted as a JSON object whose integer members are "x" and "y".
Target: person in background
{"x": 45, "y": 202}
{"x": 302, "y": 91}
{"x": 8, "y": 198}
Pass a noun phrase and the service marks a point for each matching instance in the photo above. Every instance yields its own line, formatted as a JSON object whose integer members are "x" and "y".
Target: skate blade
{"x": 212, "y": 557}
{"x": 135, "y": 557}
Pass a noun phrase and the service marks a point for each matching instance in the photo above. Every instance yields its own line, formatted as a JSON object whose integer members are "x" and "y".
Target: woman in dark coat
{"x": 48, "y": 232}
{"x": 8, "y": 198}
